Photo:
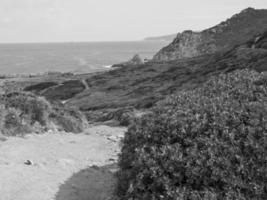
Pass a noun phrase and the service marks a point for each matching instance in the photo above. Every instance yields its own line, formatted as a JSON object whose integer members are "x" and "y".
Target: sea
{"x": 78, "y": 58}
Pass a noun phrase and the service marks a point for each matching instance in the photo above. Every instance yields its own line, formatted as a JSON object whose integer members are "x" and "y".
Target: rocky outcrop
{"x": 226, "y": 35}
{"x": 187, "y": 44}
{"x": 136, "y": 60}
{"x": 260, "y": 41}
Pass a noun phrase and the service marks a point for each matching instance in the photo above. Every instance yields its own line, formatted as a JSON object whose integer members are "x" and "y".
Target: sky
{"x": 110, "y": 20}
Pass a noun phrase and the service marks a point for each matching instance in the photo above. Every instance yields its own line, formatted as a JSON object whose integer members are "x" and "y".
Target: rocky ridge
{"x": 234, "y": 31}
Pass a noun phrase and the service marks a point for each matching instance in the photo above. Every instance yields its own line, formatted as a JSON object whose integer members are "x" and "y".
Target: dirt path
{"x": 85, "y": 84}
{"x": 64, "y": 166}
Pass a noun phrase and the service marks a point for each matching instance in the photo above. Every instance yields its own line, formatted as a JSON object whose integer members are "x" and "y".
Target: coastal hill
{"x": 225, "y": 35}
{"x": 141, "y": 87}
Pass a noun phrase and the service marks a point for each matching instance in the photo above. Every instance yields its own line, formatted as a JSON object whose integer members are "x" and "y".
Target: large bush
{"x": 209, "y": 143}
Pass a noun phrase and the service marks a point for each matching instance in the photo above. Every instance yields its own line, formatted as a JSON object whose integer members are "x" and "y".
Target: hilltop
{"x": 227, "y": 34}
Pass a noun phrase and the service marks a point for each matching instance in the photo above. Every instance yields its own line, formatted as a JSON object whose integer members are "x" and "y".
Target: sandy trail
{"x": 62, "y": 165}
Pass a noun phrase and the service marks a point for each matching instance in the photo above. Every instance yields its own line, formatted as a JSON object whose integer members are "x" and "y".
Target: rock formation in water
{"x": 136, "y": 60}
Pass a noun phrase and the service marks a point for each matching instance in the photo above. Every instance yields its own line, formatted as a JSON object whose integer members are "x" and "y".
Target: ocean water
{"x": 71, "y": 57}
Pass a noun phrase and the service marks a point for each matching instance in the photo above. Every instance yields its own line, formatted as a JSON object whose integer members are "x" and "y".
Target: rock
{"x": 50, "y": 131}
{"x": 187, "y": 44}
{"x": 114, "y": 170}
{"x": 136, "y": 60}
{"x": 120, "y": 136}
{"x": 28, "y": 162}
{"x": 114, "y": 138}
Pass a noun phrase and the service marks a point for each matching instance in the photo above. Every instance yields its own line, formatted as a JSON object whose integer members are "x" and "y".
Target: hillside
{"x": 223, "y": 36}
{"x": 142, "y": 86}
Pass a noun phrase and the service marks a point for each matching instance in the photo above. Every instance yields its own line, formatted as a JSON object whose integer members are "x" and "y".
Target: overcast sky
{"x": 109, "y": 20}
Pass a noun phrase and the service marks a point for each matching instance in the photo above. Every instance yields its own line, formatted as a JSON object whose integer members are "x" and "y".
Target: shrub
{"x": 23, "y": 113}
{"x": 68, "y": 119}
{"x": 33, "y": 107}
{"x": 12, "y": 124}
{"x": 208, "y": 143}
{"x": 12, "y": 119}
{"x": 37, "y": 88}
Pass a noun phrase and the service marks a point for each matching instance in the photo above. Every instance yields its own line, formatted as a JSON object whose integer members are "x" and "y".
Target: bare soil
{"x": 60, "y": 166}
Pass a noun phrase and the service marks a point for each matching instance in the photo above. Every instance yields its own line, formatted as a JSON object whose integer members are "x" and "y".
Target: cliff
{"x": 234, "y": 31}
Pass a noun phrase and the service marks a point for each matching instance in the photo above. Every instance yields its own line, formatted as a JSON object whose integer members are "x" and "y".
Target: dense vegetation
{"x": 23, "y": 113}
{"x": 64, "y": 91}
{"x": 56, "y": 91}
{"x": 208, "y": 143}
{"x": 37, "y": 88}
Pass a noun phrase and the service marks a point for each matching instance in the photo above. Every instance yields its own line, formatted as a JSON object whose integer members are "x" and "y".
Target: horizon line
{"x": 73, "y": 42}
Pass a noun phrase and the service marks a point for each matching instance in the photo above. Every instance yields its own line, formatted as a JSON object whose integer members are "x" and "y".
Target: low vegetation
{"x": 64, "y": 91}
{"x": 57, "y": 91}
{"x": 37, "y": 88}
{"x": 23, "y": 113}
{"x": 203, "y": 144}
